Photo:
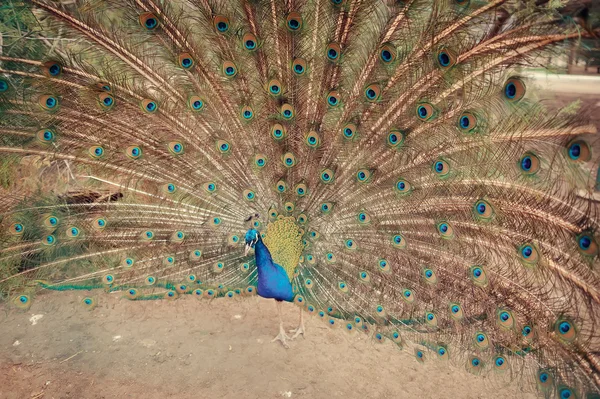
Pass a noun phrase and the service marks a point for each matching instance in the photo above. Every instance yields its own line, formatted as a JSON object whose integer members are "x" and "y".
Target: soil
{"x": 196, "y": 348}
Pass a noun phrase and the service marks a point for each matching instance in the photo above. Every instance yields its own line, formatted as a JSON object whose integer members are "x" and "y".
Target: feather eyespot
{"x": 426, "y": 112}
{"x": 565, "y": 330}
{"x": 419, "y": 355}
{"x": 429, "y": 276}
{"x": 363, "y": 218}
{"x": 395, "y": 138}
{"x": 545, "y": 381}
{"x": 529, "y": 163}
{"x": 196, "y": 103}
{"x": 478, "y": 276}
{"x": 514, "y": 89}
{"x": 127, "y": 263}
{"x": 210, "y": 187}
{"x": 278, "y": 131}
{"x": 441, "y": 168}
{"x": 387, "y": 53}
{"x": 289, "y": 207}
{"x": 195, "y": 254}
{"x": 106, "y": 100}
{"x": 384, "y": 266}
{"x": 482, "y": 210}
{"x": 431, "y": 319}
{"x": 274, "y": 87}
{"x": 333, "y": 52}
{"x": 148, "y": 20}
{"x": 147, "y": 235}
{"x": 52, "y": 69}
{"x": 299, "y": 66}
{"x": 216, "y": 221}
{"x": 364, "y": 176}
{"x": 223, "y": 146}
{"x": 108, "y": 279}
{"x": 326, "y": 207}
{"x": 149, "y": 106}
{"x": 51, "y": 222}
{"x": 49, "y": 240}
{"x": 408, "y": 296}
{"x": 467, "y": 122}
{"x": 3, "y": 85}
{"x": 260, "y": 160}
{"x": 287, "y": 111}
{"x": 579, "y": 151}
{"x": 73, "y": 232}
{"x": 475, "y": 365}
{"x": 566, "y": 393}
{"x": 178, "y": 237}
{"x": 327, "y": 176}
{"x": 229, "y": 69}
{"x": 294, "y": 21}
{"x": 333, "y": 99}
{"x": 221, "y": 23}
{"x": 16, "y": 229}
{"x": 350, "y": 244}
{"x": 175, "y": 147}
{"x": 481, "y": 340}
{"x": 289, "y": 160}
{"x": 373, "y": 92}
{"x": 99, "y": 223}
{"x": 247, "y": 113}
{"x": 529, "y": 254}
{"x": 500, "y": 364}
{"x": 587, "y": 245}
{"x": 45, "y": 136}
{"x": 186, "y": 61}
{"x": 442, "y": 352}
{"x": 456, "y": 311}
{"x": 134, "y": 152}
{"x": 96, "y": 151}
{"x": 398, "y": 241}
{"x": 88, "y": 303}
{"x": 313, "y": 139}
{"x": 349, "y": 131}
{"x": 505, "y": 318}
{"x": 48, "y": 102}
{"x": 280, "y": 186}
{"x": 250, "y": 42}
{"x": 302, "y": 218}
{"x": 403, "y": 187}
{"x": 446, "y": 58}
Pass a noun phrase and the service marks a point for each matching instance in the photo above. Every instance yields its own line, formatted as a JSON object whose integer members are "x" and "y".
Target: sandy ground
{"x": 195, "y": 348}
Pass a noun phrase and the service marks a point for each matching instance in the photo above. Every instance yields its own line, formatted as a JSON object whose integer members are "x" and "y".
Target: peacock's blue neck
{"x": 263, "y": 256}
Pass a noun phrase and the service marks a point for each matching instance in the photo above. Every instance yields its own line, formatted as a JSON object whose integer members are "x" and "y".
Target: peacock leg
{"x": 281, "y": 337}
{"x": 300, "y": 329}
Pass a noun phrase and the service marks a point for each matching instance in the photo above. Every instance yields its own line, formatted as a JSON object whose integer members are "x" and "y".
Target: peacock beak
{"x": 247, "y": 249}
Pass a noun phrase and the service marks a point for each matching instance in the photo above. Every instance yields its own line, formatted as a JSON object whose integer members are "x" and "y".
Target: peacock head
{"x": 252, "y": 238}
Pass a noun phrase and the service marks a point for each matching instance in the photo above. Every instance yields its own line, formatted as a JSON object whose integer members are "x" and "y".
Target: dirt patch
{"x": 218, "y": 349}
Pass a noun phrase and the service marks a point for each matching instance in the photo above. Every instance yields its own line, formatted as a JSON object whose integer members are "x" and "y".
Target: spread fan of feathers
{"x": 385, "y": 160}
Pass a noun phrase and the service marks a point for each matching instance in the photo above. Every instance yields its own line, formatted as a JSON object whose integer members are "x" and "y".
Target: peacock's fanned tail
{"x": 440, "y": 205}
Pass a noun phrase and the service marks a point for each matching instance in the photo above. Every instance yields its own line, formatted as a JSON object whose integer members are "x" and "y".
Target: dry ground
{"x": 193, "y": 348}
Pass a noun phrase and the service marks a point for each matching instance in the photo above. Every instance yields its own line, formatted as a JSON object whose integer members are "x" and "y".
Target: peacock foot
{"x": 282, "y": 337}
{"x": 298, "y": 331}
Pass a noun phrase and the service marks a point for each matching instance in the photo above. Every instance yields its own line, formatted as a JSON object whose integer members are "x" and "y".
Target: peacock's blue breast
{"x": 274, "y": 283}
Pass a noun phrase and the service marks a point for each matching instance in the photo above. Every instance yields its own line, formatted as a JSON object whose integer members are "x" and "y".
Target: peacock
{"x": 384, "y": 165}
